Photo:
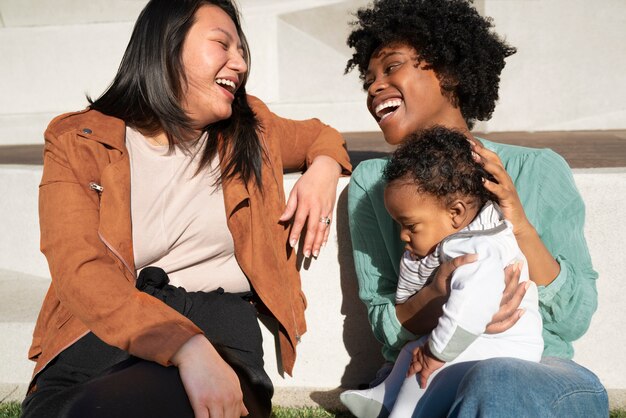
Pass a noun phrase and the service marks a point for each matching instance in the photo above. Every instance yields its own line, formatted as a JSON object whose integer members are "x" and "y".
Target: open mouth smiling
{"x": 227, "y": 84}
{"x": 386, "y": 109}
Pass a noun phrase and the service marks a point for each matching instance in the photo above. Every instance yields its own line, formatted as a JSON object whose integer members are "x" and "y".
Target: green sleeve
{"x": 568, "y": 303}
{"x": 554, "y": 206}
{"x": 377, "y": 250}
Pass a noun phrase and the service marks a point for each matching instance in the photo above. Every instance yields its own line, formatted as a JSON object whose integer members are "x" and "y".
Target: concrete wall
{"x": 568, "y": 73}
{"x": 338, "y": 349}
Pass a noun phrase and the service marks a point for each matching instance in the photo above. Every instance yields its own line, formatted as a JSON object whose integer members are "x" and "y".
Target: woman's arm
{"x": 552, "y": 203}
{"x": 542, "y": 266}
{"x": 299, "y": 142}
{"x": 377, "y": 251}
{"x": 320, "y": 150}
{"x": 313, "y": 198}
{"x": 567, "y": 303}
{"x": 211, "y": 384}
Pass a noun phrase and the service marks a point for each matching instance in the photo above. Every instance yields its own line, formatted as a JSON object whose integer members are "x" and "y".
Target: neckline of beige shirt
{"x": 179, "y": 220}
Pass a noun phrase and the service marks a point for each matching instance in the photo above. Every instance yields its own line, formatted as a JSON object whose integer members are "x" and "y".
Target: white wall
{"x": 567, "y": 74}
{"x": 570, "y": 69}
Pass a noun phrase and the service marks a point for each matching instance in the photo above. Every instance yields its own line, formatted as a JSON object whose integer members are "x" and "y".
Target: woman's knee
{"x": 552, "y": 388}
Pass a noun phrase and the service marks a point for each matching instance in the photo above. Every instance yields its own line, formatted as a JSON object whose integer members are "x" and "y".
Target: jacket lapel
{"x": 239, "y": 219}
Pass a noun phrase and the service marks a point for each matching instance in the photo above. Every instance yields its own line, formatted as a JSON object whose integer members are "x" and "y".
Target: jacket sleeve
{"x": 88, "y": 282}
{"x": 568, "y": 303}
{"x": 302, "y": 141}
{"x": 376, "y": 251}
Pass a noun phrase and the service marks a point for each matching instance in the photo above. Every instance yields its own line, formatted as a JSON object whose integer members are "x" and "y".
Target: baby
{"x": 435, "y": 193}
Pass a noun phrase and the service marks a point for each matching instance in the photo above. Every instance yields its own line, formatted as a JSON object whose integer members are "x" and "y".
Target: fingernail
{"x": 471, "y": 142}
{"x": 293, "y": 242}
{"x": 316, "y": 253}
{"x": 521, "y": 312}
{"x": 484, "y": 180}
{"x": 307, "y": 254}
{"x": 324, "y": 244}
{"x": 526, "y": 285}
{"x": 475, "y": 156}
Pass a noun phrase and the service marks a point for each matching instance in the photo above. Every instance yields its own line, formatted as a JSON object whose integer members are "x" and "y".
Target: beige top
{"x": 179, "y": 220}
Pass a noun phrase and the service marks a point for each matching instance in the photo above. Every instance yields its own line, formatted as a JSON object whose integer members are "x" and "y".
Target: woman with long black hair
{"x": 164, "y": 223}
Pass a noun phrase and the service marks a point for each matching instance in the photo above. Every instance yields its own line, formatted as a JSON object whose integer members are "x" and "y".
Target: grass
{"x": 617, "y": 413}
{"x": 12, "y": 410}
{"x": 306, "y": 412}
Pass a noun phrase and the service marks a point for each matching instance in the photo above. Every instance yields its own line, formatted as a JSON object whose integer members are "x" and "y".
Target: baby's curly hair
{"x": 449, "y": 36}
{"x": 439, "y": 162}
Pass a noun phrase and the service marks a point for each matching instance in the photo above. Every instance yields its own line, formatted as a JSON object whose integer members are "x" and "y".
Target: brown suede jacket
{"x": 87, "y": 240}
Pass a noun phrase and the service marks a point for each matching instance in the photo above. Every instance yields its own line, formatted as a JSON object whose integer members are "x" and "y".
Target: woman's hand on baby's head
{"x": 503, "y": 188}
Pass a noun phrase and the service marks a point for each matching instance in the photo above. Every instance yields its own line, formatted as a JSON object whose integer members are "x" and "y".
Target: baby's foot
{"x": 362, "y": 404}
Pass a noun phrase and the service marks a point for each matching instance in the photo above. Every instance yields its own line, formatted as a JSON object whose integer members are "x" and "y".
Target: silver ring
{"x": 325, "y": 220}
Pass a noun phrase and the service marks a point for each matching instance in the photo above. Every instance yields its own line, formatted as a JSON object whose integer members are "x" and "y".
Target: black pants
{"x": 93, "y": 379}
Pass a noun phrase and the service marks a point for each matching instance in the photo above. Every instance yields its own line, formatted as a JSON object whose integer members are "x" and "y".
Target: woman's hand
{"x": 504, "y": 189}
{"x": 211, "y": 384}
{"x": 420, "y": 313}
{"x": 509, "y": 312}
{"x": 424, "y": 363}
{"x": 542, "y": 267}
{"x": 313, "y": 198}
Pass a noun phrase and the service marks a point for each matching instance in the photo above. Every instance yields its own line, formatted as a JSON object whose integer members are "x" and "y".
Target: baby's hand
{"x": 424, "y": 363}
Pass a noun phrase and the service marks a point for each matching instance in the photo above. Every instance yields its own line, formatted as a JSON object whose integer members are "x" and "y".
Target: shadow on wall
{"x": 362, "y": 347}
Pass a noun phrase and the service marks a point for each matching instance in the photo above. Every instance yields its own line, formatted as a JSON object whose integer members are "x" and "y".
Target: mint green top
{"x": 553, "y": 205}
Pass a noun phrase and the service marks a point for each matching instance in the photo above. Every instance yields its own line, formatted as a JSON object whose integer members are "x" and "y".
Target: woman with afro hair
{"x": 438, "y": 62}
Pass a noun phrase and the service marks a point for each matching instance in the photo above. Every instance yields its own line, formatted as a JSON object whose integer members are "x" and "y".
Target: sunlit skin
{"x": 393, "y": 75}
{"x": 424, "y": 219}
{"x": 212, "y": 51}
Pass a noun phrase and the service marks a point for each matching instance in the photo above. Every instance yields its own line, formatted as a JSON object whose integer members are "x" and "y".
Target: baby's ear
{"x": 458, "y": 211}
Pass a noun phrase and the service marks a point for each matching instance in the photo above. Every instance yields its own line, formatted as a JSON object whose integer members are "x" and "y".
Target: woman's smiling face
{"x": 404, "y": 96}
{"x": 214, "y": 65}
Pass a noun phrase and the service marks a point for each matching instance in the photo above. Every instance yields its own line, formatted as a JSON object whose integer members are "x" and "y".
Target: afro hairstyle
{"x": 449, "y": 36}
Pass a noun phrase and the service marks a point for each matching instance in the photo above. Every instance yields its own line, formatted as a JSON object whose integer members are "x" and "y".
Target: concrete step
{"x": 20, "y": 299}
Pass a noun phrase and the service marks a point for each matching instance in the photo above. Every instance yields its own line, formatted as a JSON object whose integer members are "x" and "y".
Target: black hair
{"x": 449, "y": 36}
{"x": 439, "y": 162}
{"x": 147, "y": 90}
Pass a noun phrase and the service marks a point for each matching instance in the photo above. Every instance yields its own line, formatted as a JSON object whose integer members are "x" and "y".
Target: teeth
{"x": 385, "y": 105}
{"x": 383, "y": 117}
{"x": 225, "y": 82}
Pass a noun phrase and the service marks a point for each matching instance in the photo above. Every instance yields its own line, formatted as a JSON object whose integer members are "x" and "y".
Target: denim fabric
{"x": 506, "y": 387}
